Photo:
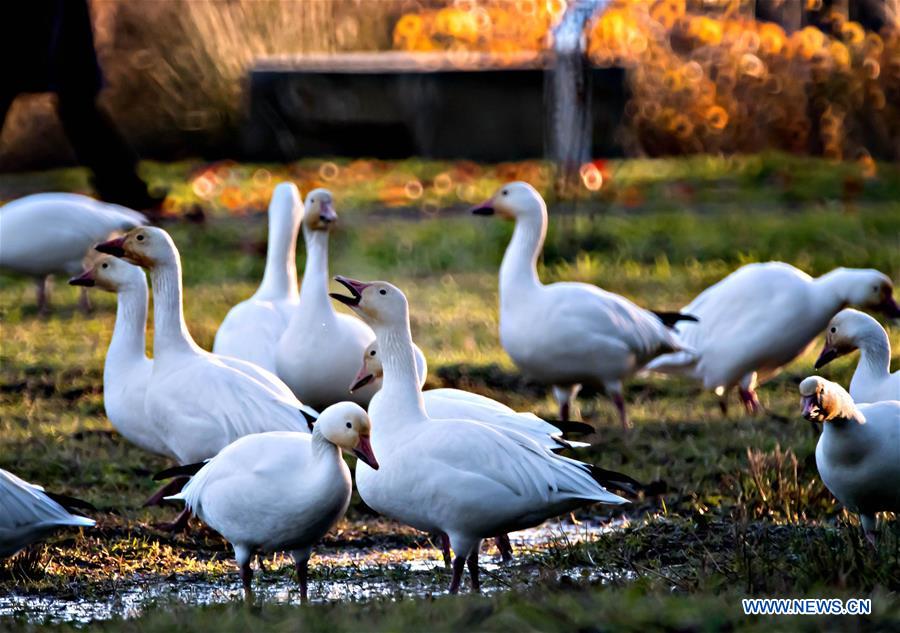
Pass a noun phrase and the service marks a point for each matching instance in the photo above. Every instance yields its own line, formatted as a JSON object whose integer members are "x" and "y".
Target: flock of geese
{"x": 257, "y": 426}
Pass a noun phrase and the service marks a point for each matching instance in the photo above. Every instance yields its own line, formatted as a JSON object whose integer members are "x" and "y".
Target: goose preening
{"x": 567, "y": 334}
{"x": 318, "y": 354}
{"x": 456, "y": 477}
{"x": 49, "y": 233}
{"x": 201, "y": 401}
{"x": 126, "y": 371}
{"x": 760, "y": 318}
{"x": 29, "y": 514}
{"x": 858, "y": 454}
{"x": 251, "y": 329}
{"x": 872, "y": 381}
{"x": 281, "y": 491}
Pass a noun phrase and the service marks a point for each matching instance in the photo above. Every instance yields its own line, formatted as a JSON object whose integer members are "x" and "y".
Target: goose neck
{"x": 400, "y": 382}
{"x": 128, "y": 341}
{"x": 832, "y": 292}
{"x": 518, "y": 271}
{"x": 874, "y": 352}
{"x": 314, "y": 291}
{"x": 280, "y": 276}
{"x": 323, "y": 449}
{"x": 170, "y": 332}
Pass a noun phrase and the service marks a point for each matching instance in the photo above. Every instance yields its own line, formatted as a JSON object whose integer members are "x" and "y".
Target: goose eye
{"x": 372, "y": 353}
{"x": 383, "y": 292}
{"x": 505, "y": 192}
{"x": 833, "y": 330}
{"x": 349, "y": 426}
{"x": 105, "y": 266}
{"x": 140, "y": 238}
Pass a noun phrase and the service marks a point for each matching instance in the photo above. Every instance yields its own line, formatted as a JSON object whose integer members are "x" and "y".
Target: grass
{"x": 741, "y": 512}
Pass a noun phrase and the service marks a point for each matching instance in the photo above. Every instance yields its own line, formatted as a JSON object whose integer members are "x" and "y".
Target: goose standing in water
{"x": 858, "y": 454}
{"x": 251, "y": 329}
{"x": 456, "y": 477}
{"x": 126, "y": 370}
{"x": 318, "y": 354}
{"x": 567, "y": 334}
{"x": 29, "y": 514}
{"x": 760, "y": 318}
{"x": 201, "y": 401}
{"x": 271, "y": 492}
{"x": 872, "y": 381}
{"x": 49, "y": 233}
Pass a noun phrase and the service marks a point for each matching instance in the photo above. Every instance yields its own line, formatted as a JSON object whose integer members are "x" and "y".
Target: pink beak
{"x": 327, "y": 213}
{"x": 364, "y": 452}
{"x": 355, "y": 287}
{"x": 810, "y": 407}
{"x": 363, "y": 378}
{"x": 114, "y": 247}
{"x": 485, "y": 208}
{"x": 84, "y": 279}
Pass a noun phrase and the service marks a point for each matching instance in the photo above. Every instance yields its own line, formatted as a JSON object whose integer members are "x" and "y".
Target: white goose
{"x": 456, "y": 477}
{"x": 872, "y": 381}
{"x": 456, "y": 403}
{"x": 49, "y": 233}
{"x": 251, "y": 329}
{"x": 201, "y": 401}
{"x": 318, "y": 354}
{"x": 278, "y": 491}
{"x": 567, "y": 334}
{"x": 858, "y": 454}
{"x": 761, "y": 317}
{"x": 29, "y": 514}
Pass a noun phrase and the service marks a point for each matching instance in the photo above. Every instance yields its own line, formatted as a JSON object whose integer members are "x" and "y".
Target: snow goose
{"x": 127, "y": 369}
{"x": 567, "y": 334}
{"x": 858, "y": 454}
{"x": 761, "y": 317}
{"x": 49, "y": 233}
{"x": 251, "y": 329}
{"x": 456, "y": 477}
{"x": 29, "y": 514}
{"x": 872, "y": 381}
{"x": 319, "y": 352}
{"x": 201, "y": 401}
{"x": 278, "y": 491}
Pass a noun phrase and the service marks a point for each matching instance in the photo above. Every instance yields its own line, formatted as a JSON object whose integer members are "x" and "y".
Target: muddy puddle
{"x": 345, "y": 574}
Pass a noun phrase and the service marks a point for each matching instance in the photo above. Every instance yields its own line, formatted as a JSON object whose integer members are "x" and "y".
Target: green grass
{"x": 742, "y": 510}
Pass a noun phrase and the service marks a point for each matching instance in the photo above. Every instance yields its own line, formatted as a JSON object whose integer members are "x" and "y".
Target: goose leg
{"x": 565, "y": 397}
{"x": 505, "y": 547}
{"x": 43, "y": 295}
{"x": 84, "y": 301}
{"x": 459, "y": 563}
{"x": 615, "y": 392}
{"x": 868, "y": 524}
{"x": 751, "y": 402}
{"x": 445, "y": 549}
{"x": 472, "y": 562}
{"x": 243, "y": 556}
{"x": 179, "y": 525}
{"x": 301, "y": 564}
{"x": 171, "y": 488}
{"x": 261, "y": 562}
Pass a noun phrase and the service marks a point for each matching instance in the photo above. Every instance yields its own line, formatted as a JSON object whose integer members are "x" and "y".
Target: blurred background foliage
{"x": 703, "y": 75}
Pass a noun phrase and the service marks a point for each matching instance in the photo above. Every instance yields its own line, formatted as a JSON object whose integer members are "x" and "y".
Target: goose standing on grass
{"x": 29, "y": 514}
{"x": 318, "y": 354}
{"x": 201, "y": 401}
{"x": 455, "y": 477}
{"x": 279, "y": 491}
{"x": 567, "y": 334}
{"x": 49, "y": 233}
{"x": 858, "y": 454}
{"x": 760, "y": 318}
{"x": 872, "y": 381}
{"x": 126, "y": 371}
{"x": 251, "y": 329}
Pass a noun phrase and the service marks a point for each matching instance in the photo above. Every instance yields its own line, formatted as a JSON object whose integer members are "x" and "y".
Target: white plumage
{"x": 858, "y": 454}
{"x": 761, "y": 317}
{"x": 251, "y": 329}
{"x": 28, "y": 515}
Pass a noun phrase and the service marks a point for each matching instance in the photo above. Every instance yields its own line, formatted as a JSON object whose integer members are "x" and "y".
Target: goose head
{"x": 110, "y": 273}
{"x": 825, "y": 401}
{"x": 512, "y": 201}
{"x": 867, "y": 288}
{"x": 371, "y": 368}
{"x": 378, "y": 303}
{"x": 146, "y": 246}
{"x": 319, "y": 214}
{"x": 843, "y": 334}
{"x": 347, "y": 426}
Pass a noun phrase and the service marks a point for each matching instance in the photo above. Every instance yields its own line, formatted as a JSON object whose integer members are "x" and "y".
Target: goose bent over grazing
{"x": 278, "y": 491}
{"x": 567, "y": 334}
{"x": 49, "y": 233}
{"x": 760, "y": 318}
{"x": 251, "y": 329}
{"x": 858, "y": 454}
{"x": 318, "y": 354}
{"x": 201, "y": 401}
{"x": 456, "y": 477}
{"x": 126, "y": 370}
{"x": 872, "y": 381}
{"x": 29, "y": 514}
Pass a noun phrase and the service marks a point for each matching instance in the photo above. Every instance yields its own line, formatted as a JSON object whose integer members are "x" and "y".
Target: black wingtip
{"x": 671, "y": 318}
{"x": 310, "y": 419}
{"x": 71, "y": 503}
{"x": 616, "y": 481}
{"x": 186, "y": 470}
{"x": 571, "y": 426}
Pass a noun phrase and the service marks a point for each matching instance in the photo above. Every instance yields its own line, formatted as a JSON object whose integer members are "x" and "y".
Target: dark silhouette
{"x": 48, "y": 46}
